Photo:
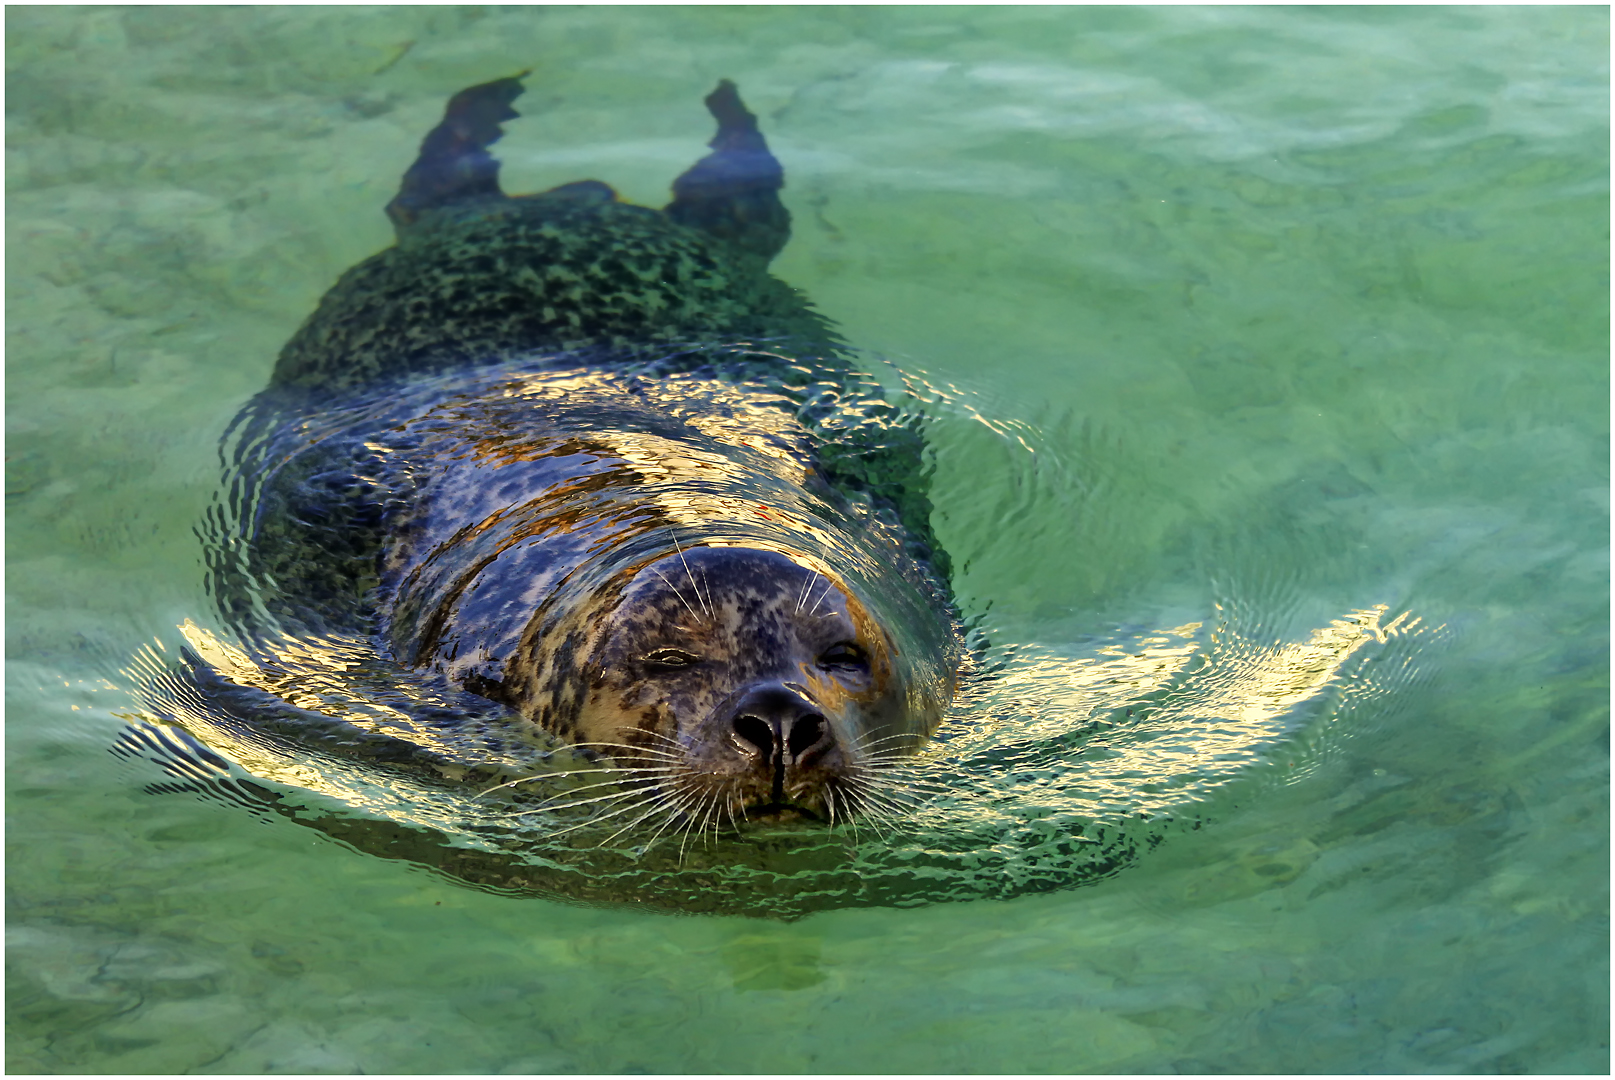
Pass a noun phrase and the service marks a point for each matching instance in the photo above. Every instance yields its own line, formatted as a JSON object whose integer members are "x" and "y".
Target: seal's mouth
{"x": 776, "y": 813}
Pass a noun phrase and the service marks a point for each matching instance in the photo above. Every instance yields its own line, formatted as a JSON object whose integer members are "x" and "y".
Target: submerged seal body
{"x": 590, "y": 462}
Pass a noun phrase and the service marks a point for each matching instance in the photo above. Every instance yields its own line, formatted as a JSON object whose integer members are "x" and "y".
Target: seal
{"x": 592, "y": 463}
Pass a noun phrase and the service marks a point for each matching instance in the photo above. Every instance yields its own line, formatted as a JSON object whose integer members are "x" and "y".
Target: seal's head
{"x": 738, "y": 680}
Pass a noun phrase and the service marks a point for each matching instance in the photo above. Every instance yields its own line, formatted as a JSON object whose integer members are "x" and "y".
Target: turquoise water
{"x": 1273, "y": 316}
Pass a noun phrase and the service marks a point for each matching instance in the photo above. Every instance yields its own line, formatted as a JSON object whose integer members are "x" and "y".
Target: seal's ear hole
{"x": 844, "y": 654}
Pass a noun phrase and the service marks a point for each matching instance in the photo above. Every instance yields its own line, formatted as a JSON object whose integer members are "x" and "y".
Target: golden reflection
{"x": 1035, "y": 752}
{"x": 1216, "y": 718}
{"x": 244, "y": 748}
{"x": 1064, "y": 691}
{"x": 1267, "y": 685}
{"x": 1205, "y": 712}
{"x": 327, "y": 677}
{"x": 1142, "y": 730}
{"x": 758, "y": 422}
{"x": 731, "y": 465}
{"x": 352, "y": 783}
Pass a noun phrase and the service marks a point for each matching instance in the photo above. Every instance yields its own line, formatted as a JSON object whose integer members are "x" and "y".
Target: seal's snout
{"x": 741, "y": 683}
{"x": 779, "y": 728}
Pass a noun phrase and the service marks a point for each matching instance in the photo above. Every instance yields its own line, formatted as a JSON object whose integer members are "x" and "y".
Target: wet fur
{"x": 375, "y": 533}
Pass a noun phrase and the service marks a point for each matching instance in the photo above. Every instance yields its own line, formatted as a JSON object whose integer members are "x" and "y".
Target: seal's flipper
{"x": 732, "y": 193}
{"x": 454, "y": 163}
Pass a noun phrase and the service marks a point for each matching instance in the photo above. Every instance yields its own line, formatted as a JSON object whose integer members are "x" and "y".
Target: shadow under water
{"x": 1054, "y": 767}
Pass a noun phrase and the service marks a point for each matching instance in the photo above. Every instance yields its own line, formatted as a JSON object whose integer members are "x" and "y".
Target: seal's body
{"x": 590, "y": 461}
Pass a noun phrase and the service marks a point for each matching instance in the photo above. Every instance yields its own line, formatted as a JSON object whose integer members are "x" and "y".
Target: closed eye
{"x": 669, "y": 659}
{"x": 844, "y": 654}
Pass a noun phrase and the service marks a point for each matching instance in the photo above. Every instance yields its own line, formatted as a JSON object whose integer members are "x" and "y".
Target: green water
{"x": 1305, "y": 311}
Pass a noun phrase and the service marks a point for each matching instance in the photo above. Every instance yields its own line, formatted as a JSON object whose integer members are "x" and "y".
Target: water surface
{"x": 1252, "y": 325}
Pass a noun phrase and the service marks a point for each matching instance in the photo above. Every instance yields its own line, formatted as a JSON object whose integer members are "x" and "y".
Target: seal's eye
{"x": 669, "y": 660}
{"x": 843, "y": 654}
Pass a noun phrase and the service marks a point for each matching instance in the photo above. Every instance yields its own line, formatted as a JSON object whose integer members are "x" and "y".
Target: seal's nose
{"x": 779, "y": 727}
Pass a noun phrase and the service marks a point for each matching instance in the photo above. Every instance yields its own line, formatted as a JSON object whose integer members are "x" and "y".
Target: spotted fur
{"x": 495, "y": 280}
{"x": 559, "y": 451}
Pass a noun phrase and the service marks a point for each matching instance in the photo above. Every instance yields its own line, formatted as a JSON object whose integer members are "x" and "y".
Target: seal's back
{"x": 478, "y": 276}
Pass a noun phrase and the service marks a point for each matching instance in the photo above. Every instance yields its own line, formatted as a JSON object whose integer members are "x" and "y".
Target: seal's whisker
{"x": 663, "y": 806}
{"x": 822, "y": 598}
{"x": 670, "y": 741}
{"x": 868, "y": 740}
{"x": 667, "y": 800}
{"x": 866, "y": 743}
{"x": 638, "y": 783}
{"x": 848, "y": 814}
{"x": 877, "y": 775}
{"x": 898, "y": 772}
{"x": 882, "y": 767}
{"x": 676, "y": 593}
{"x": 720, "y": 800}
{"x": 707, "y": 807}
{"x": 611, "y": 797}
{"x": 614, "y": 769}
{"x": 692, "y": 801}
{"x": 729, "y": 808}
{"x": 676, "y": 805}
{"x": 914, "y": 798}
{"x": 672, "y": 814}
{"x": 689, "y": 823}
{"x": 902, "y": 765}
{"x": 897, "y": 802}
{"x": 802, "y": 596}
{"x": 692, "y": 822}
{"x": 705, "y": 606}
{"x": 873, "y": 803}
{"x": 889, "y": 758}
{"x": 880, "y": 797}
{"x": 882, "y": 813}
{"x": 915, "y": 782}
{"x": 615, "y": 782}
{"x": 619, "y": 796}
{"x": 872, "y": 818}
{"x": 650, "y": 772}
{"x": 509, "y": 784}
{"x": 876, "y": 820}
{"x": 709, "y": 817}
{"x": 708, "y": 584}
{"x": 653, "y": 766}
{"x": 553, "y": 776}
{"x": 596, "y": 819}
{"x": 828, "y": 585}
{"x": 635, "y": 749}
{"x": 885, "y": 767}
{"x": 679, "y": 806}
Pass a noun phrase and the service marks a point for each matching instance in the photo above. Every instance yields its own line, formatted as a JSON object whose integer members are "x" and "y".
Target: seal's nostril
{"x": 806, "y": 733}
{"x": 757, "y": 733}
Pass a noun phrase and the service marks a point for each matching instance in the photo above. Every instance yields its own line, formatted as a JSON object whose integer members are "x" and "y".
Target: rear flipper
{"x": 733, "y": 192}
{"x": 454, "y": 164}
